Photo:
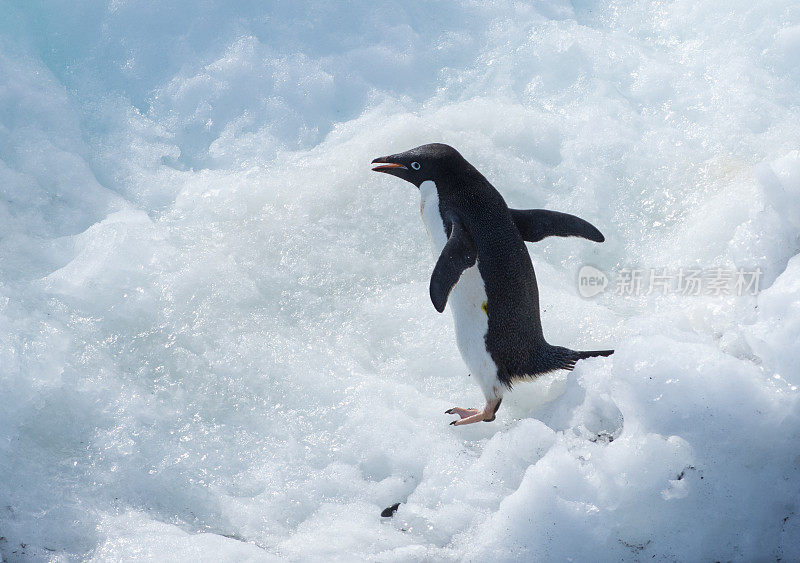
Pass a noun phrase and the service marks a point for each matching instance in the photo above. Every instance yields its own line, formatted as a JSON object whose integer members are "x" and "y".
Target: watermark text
{"x": 635, "y": 282}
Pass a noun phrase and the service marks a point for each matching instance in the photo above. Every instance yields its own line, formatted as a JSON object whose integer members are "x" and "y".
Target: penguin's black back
{"x": 514, "y": 337}
{"x": 514, "y": 327}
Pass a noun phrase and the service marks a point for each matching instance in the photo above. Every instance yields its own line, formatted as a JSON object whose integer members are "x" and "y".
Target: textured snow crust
{"x": 216, "y": 341}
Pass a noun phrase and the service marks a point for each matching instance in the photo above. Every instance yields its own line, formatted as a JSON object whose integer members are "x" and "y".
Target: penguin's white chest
{"x": 467, "y": 300}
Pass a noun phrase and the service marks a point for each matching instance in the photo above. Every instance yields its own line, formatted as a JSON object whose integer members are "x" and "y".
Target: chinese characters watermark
{"x": 634, "y": 282}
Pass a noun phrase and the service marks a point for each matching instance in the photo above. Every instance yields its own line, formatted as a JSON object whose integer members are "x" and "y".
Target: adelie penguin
{"x": 484, "y": 271}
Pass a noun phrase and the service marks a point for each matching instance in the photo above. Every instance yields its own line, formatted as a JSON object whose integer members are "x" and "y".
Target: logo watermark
{"x": 591, "y": 281}
{"x": 635, "y": 282}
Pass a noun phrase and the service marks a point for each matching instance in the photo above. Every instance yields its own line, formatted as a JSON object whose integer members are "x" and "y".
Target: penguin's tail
{"x": 582, "y": 355}
{"x": 564, "y": 358}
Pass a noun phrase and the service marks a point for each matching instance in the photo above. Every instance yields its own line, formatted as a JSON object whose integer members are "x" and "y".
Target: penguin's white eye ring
{"x": 416, "y": 165}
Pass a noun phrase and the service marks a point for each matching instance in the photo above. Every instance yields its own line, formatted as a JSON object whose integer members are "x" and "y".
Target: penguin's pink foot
{"x": 479, "y": 416}
{"x": 468, "y": 416}
{"x": 463, "y": 413}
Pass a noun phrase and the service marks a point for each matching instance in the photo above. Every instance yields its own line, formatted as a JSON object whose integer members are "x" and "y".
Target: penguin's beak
{"x": 386, "y": 165}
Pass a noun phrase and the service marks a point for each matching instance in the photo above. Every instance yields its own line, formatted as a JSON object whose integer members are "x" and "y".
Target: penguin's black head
{"x": 427, "y": 162}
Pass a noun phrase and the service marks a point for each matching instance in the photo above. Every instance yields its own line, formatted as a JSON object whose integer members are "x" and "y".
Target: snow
{"x": 216, "y": 341}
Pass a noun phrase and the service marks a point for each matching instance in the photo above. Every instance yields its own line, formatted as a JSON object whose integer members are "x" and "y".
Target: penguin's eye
{"x": 416, "y": 165}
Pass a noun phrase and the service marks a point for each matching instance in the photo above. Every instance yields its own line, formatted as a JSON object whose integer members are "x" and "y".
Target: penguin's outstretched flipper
{"x": 535, "y": 224}
{"x": 457, "y": 255}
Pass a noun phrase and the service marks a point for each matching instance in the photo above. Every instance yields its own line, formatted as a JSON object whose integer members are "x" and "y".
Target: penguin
{"x": 483, "y": 270}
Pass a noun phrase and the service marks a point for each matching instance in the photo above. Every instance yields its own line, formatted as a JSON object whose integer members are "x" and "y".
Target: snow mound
{"x": 216, "y": 341}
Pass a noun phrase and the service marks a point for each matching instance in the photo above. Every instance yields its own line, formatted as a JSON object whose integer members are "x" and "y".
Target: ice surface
{"x": 216, "y": 341}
